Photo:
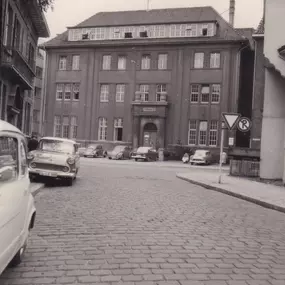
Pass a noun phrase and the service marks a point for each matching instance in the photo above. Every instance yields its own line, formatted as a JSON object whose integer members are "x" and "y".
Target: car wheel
{"x": 192, "y": 163}
{"x": 110, "y": 157}
{"x": 18, "y": 258}
{"x": 136, "y": 159}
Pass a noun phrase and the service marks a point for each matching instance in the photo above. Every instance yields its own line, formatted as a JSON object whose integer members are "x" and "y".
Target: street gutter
{"x": 234, "y": 194}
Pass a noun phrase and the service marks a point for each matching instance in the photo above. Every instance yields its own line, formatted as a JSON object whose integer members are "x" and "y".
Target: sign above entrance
{"x": 231, "y": 119}
{"x": 149, "y": 109}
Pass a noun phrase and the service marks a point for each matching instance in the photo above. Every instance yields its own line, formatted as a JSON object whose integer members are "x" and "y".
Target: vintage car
{"x": 54, "y": 158}
{"x": 120, "y": 152}
{"x": 17, "y": 208}
{"x": 201, "y": 157}
{"x": 94, "y": 150}
{"x": 145, "y": 153}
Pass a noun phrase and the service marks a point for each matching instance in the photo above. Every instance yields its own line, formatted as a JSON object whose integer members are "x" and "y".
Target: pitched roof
{"x": 156, "y": 16}
{"x": 260, "y": 28}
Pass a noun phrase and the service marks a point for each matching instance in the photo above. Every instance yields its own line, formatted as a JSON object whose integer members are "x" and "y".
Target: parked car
{"x": 145, "y": 153}
{"x": 94, "y": 150}
{"x": 55, "y": 158}
{"x": 120, "y": 152}
{"x": 17, "y": 209}
{"x": 201, "y": 157}
{"x": 81, "y": 151}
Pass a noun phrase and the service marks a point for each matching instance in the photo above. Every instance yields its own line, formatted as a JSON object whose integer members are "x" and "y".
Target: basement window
{"x": 128, "y": 35}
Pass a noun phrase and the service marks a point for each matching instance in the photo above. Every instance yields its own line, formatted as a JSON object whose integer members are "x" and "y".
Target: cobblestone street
{"x": 141, "y": 225}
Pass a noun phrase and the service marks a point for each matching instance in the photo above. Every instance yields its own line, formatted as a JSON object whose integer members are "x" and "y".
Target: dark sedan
{"x": 145, "y": 153}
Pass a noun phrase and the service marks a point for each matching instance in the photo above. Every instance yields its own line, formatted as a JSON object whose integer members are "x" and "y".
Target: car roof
{"x": 4, "y": 126}
{"x": 58, "y": 139}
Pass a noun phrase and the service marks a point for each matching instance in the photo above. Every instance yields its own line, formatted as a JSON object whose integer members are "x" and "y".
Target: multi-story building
{"x": 155, "y": 77}
{"x": 23, "y": 23}
{"x": 39, "y": 95}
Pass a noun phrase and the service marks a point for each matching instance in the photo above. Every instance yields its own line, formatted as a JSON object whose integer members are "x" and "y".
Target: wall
{"x": 258, "y": 94}
{"x": 273, "y": 124}
{"x": 178, "y": 77}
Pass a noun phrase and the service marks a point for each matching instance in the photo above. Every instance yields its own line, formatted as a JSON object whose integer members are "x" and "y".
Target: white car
{"x": 17, "y": 209}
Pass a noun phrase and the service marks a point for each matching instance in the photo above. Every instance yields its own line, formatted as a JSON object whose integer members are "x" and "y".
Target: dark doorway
{"x": 150, "y": 135}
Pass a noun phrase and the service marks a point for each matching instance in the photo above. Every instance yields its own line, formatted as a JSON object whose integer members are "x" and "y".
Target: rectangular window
{"x": 62, "y": 63}
{"x": 120, "y": 92}
{"x": 199, "y": 60}
{"x": 145, "y": 64}
{"x": 39, "y": 72}
{"x": 160, "y": 90}
{"x": 122, "y": 60}
{"x": 203, "y": 127}
{"x": 75, "y": 62}
{"x": 38, "y": 92}
{"x": 144, "y": 91}
{"x": 67, "y": 92}
{"x": 73, "y": 127}
{"x": 194, "y": 96}
{"x": 216, "y": 93}
{"x": 36, "y": 116}
{"x": 104, "y": 93}
{"x": 106, "y": 62}
{"x": 118, "y": 129}
{"x": 75, "y": 90}
{"x": 192, "y": 135}
{"x": 59, "y": 91}
{"x": 57, "y": 126}
{"x": 65, "y": 127}
{"x": 162, "y": 61}
{"x": 215, "y": 60}
{"x": 213, "y": 133}
{"x": 205, "y": 94}
{"x": 102, "y": 131}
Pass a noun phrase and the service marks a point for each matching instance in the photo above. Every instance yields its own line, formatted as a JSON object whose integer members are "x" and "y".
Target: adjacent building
{"x": 23, "y": 23}
{"x": 39, "y": 94}
{"x": 273, "y": 123}
{"x": 157, "y": 77}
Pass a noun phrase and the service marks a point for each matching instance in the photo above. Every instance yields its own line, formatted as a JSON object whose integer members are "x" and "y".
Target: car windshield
{"x": 56, "y": 146}
{"x": 91, "y": 147}
{"x": 118, "y": 148}
{"x": 200, "y": 152}
{"x": 143, "y": 149}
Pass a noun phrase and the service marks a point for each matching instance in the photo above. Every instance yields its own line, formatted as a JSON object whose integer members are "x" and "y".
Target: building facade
{"x": 38, "y": 94}
{"x": 157, "y": 77}
{"x": 273, "y": 123}
{"x": 23, "y": 24}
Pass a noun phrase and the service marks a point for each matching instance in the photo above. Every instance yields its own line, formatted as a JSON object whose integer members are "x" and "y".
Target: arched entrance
{"x": 150, "y": 135}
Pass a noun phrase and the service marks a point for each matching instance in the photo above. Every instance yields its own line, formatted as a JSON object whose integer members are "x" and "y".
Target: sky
{"x": 68, "y": 13}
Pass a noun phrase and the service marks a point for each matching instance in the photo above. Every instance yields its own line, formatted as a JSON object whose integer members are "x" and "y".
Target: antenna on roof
{"x": 147, "y": 5}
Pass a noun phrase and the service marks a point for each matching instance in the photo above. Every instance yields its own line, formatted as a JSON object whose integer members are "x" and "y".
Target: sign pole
{"x": 221, "y": 151}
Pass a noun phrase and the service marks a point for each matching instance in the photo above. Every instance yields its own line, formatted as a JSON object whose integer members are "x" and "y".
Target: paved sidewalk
{"x": 265, "y": 195}
{"x": 36, "y": 188}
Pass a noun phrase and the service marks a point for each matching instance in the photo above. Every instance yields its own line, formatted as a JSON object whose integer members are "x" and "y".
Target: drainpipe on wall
{"x": 43, "y": 103}
{"x": 232, "y": 12}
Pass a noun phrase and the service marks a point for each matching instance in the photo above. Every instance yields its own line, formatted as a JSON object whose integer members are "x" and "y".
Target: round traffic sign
{"x": 244, "y": 124}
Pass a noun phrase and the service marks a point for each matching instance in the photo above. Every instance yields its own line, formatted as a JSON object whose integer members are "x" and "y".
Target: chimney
{"x": 232, "y": 12}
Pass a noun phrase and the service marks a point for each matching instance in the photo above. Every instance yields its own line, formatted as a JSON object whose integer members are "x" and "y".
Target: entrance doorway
{"x": 150, "y": 135}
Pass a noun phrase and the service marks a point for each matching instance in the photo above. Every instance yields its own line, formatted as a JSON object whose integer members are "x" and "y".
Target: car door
{"x": 12, "y": 192}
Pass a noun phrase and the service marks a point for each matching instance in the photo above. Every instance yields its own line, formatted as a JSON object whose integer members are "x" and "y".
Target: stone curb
{"x": 37, "y": 189}
{"x": 236, "y": 195}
